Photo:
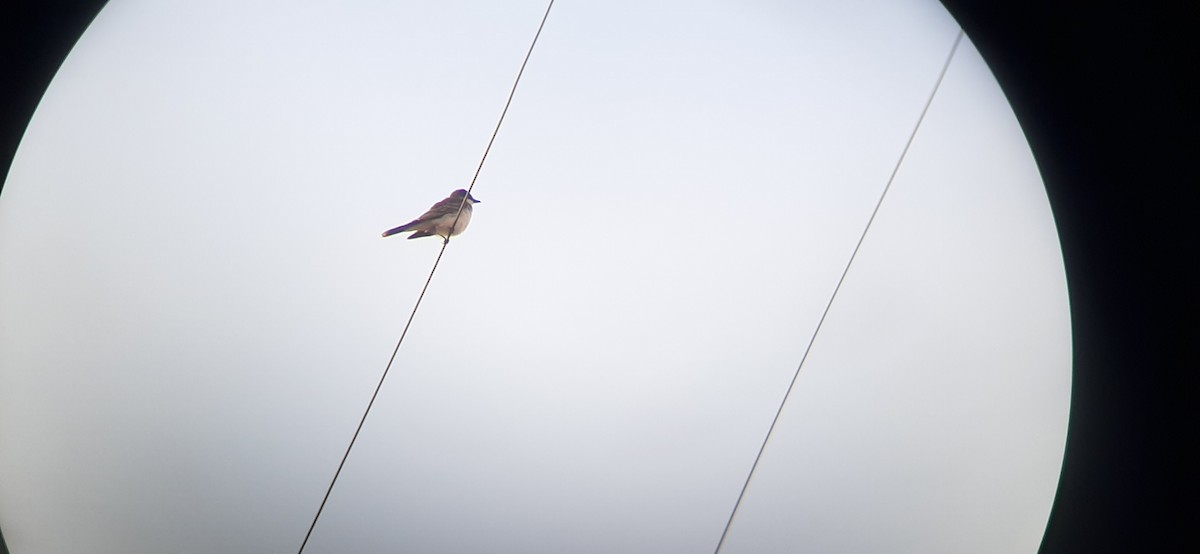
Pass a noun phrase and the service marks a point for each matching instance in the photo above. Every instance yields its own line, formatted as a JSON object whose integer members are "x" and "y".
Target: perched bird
{"x": 439, "y": 218}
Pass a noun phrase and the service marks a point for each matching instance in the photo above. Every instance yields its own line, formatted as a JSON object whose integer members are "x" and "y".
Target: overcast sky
{"x": 195, "y": 302}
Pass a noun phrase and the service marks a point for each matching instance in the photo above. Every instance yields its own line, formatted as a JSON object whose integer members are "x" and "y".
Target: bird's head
{"x": 458, "y": 194}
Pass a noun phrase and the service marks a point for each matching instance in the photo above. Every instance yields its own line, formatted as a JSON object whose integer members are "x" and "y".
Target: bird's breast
{"x": 463, "y": 220}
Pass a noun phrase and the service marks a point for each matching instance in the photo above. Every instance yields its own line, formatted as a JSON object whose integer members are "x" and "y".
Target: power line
{"x": 503, "y": 112}
{"x": 428, "y": 280}
{"x": 838, "y": 287}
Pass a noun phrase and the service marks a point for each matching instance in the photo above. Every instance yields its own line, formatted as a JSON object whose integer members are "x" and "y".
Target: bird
{"x": 439, "y": 219}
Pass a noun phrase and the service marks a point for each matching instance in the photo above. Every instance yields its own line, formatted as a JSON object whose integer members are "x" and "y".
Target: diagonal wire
{"x": 828, "y": 305}
{"x": 502, "y": 114}
{"x": 425, "y": 288}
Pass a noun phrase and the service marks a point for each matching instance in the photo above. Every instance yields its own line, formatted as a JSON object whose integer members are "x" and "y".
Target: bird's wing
{"x": 448, "y": 206}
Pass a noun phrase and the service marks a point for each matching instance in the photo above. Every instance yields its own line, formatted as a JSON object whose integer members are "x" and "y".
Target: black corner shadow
{"x": 1099, "y": 90}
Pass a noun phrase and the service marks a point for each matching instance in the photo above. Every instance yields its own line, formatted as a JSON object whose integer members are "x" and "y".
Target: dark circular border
{"x": 1099, "y": 89}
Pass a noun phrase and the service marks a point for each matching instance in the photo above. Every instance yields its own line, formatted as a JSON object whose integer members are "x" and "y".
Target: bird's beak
{"x": 472, "y": 199}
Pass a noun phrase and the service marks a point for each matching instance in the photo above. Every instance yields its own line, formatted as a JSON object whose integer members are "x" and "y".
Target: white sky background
{"x": 195, "y": 303}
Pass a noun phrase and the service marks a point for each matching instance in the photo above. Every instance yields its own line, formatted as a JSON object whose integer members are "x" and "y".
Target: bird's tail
{"x": 400, "y": 229}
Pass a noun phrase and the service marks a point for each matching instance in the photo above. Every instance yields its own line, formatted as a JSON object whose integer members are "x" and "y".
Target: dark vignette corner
{"x": 35, "y": 37}
{"x": 1099, "y": 90}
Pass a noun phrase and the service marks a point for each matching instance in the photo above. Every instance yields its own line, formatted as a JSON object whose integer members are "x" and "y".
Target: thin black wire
{"x": 828, "y": 305}
{"x": 425, "y": 288}
{"x": 502, "y": 114}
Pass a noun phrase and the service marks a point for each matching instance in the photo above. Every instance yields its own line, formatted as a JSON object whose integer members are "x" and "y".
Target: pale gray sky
{"x": 195, "y": 303}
